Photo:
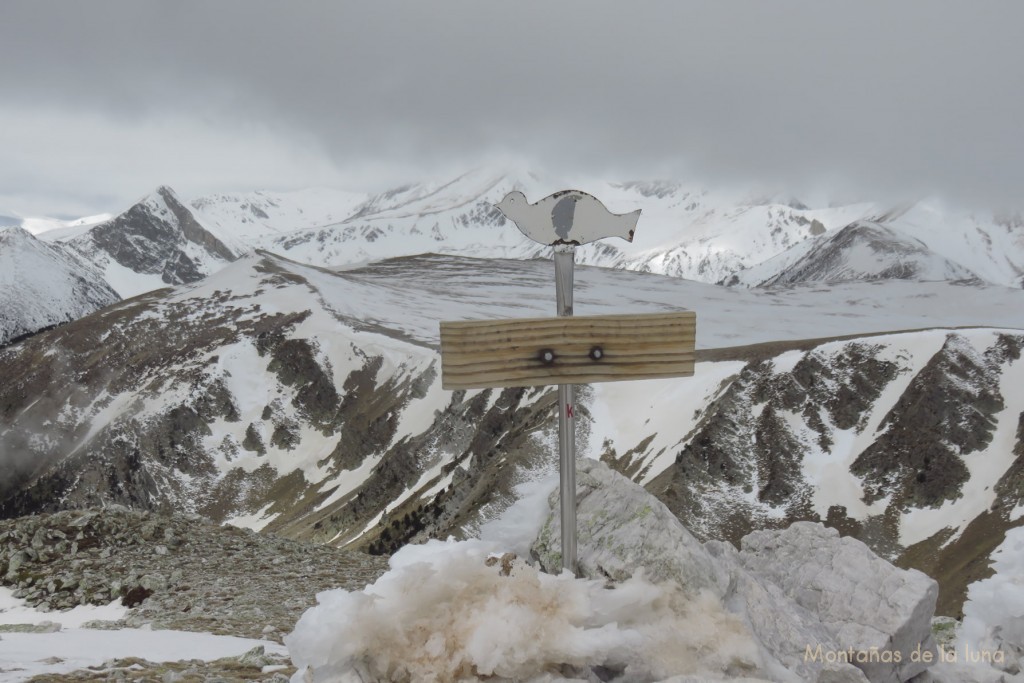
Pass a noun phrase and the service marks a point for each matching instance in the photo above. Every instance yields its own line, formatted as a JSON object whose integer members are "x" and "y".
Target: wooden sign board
{"x": 477, "y": 354}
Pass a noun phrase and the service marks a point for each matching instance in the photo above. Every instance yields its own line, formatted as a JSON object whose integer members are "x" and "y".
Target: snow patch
{"x": 624, "y": 414}
{"x": 994, "y": 609}
{"x": 255, "y": 521}
{"x": 24, "y": 655}
{"x": 517, "y": 527}
{"x": 15, "y": 611}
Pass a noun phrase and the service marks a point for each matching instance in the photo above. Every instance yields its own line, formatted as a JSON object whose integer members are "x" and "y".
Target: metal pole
{"x": 565, "y": 256}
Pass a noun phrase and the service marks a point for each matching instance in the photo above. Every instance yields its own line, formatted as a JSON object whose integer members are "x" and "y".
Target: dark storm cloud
{"x": 878, "y": 98}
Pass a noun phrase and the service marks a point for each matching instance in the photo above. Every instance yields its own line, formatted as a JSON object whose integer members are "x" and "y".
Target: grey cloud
{"x": 881, "y": 98}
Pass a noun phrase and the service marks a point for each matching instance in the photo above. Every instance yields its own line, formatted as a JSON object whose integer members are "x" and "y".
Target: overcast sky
{"x": 100, "y": 102}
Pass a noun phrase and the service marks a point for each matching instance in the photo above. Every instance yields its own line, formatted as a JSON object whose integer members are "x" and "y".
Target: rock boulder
{"x": 622, "y": 528}
{"x": 863, "y": 601}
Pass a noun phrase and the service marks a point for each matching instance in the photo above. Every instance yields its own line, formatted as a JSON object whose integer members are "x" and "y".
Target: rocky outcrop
{"x": 191, "y": 229}
{"x": 824, "y": 608}
{"x": 945, "y": 414}
{"x": 746, "y": 440}
{"x": 622, "y": 528}
{"x": 784, "y": 629}
{"x": 157, "y": 236}
{"x": 863, "y": 601}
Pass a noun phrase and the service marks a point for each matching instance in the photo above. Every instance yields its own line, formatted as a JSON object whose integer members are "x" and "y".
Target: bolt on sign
{"x": 566, "y": 350}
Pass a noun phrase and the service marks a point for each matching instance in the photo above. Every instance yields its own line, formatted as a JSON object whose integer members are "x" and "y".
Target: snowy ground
{"x": 994, "y": 609}
{"x": 412, "y": 295}
{"x": 72, "y": 647}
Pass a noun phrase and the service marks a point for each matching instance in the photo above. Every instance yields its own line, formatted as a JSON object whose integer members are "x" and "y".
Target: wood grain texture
{"x": 477, "y": 354}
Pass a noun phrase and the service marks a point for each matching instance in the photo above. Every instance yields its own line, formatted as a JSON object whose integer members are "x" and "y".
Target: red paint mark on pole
{"x": 568, "y": 410}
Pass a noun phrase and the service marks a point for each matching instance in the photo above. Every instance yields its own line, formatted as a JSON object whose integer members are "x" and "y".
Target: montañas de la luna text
{"x": 874, "y": 655}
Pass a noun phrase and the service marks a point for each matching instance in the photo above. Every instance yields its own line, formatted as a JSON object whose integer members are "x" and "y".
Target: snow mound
{"x": 454, "y": 611}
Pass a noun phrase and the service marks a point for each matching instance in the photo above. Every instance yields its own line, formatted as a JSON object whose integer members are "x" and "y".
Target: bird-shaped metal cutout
{"x": 567, "y": 217}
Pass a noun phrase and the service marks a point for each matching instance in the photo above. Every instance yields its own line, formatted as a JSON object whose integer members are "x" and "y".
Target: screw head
{"x": 596, "y": 353}
{"x": 546, "y": 356}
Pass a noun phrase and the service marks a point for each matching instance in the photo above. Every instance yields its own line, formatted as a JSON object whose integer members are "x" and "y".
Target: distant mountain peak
{"x": 157, "y": 236}
{"x": 427, "y": 199}
{"x": 15, "y": 233}
{"x": 867, "y": 250}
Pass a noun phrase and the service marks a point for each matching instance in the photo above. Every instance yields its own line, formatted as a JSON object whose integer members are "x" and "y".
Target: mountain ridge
{"x": 42, "y": 285}
{"x": 867, "y": 251}
{"x": 684, "y": 232}
{"x": 307, "y": 402}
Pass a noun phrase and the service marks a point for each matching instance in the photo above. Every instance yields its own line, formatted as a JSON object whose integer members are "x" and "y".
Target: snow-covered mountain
{"x": 910, "y": 442}
{"x": 683, "y": 232}
{"x": 42, "y": 285}
{"x": 715, "y": 237}
{"x": 860, "y": 251}
{"x": 254, "y": 215}
{"x": 923, "y": 241}
{"x": 155, "y": 243}
{"x": 455, "y": 217}
{"x": 308, "y": 402}
{"x": 991, "y": 246}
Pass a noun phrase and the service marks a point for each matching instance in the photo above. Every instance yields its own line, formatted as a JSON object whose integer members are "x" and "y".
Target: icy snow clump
{"x": 446, "y": 613}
